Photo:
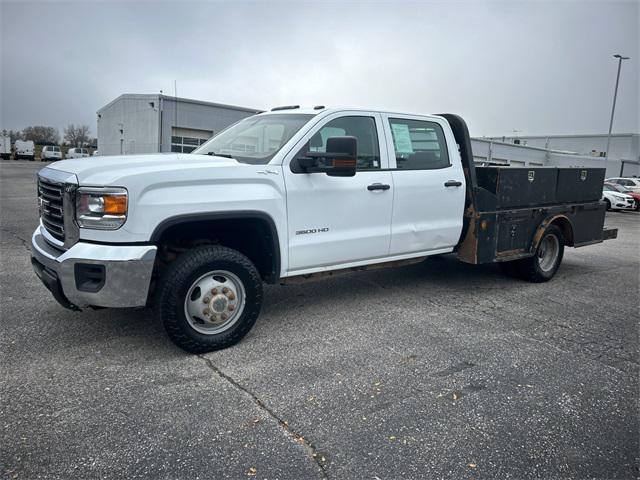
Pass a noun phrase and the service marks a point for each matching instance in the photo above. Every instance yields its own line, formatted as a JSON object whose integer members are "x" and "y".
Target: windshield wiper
{"x": 214, "y": 154}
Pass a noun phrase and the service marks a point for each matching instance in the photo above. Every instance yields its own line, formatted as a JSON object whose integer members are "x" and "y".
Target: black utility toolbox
{"x": 519, "y": 186}
{"x": 579, "y": 184}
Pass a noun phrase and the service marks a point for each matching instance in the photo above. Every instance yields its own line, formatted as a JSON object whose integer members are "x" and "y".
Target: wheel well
{"x": 254, "y": 237}
{"x": 566, "y": 228}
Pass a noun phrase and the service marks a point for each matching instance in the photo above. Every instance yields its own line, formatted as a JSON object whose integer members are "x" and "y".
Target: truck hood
{"x": 111, "y": 170}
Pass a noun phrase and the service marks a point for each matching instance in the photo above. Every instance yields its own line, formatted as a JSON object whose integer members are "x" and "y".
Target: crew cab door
{"x": 429, "y": 185}
{"x": 336, "y": 221}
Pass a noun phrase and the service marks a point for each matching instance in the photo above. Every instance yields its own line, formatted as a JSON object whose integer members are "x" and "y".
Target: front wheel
{"x": 209, "y": 298}
{"x": 544, "y": 264}
{"x": 608, "y": 203}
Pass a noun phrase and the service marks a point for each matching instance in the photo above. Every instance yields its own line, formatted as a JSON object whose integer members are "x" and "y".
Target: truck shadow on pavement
{"x": 140, "y": 329}
{"x": 438, "y": 280}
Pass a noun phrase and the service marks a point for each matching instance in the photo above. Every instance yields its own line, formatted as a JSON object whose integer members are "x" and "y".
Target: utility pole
{"x": 613, "y": 108}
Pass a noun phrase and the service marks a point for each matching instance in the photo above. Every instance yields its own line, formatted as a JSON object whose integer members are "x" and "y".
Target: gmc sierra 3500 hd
{"x": 291, "y": 194}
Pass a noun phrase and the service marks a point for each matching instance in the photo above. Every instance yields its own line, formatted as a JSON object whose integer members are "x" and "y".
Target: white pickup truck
{"x": 294, "y": 194}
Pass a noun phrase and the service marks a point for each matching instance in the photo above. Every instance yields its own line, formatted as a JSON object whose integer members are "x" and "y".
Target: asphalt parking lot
{"x": 440, "y": 370}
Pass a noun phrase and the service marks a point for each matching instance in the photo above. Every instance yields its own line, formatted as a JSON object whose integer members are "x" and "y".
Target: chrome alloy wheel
{"x": 548, "y": 252}
{"x": 214, "y": 302}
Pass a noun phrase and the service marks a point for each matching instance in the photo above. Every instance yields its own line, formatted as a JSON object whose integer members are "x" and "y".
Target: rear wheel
{"x": 209, "y": 298}
{"x": 544, "y": 264}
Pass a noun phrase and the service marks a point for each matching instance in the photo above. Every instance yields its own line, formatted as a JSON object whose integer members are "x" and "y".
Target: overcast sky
{"x": 537, "y": 67}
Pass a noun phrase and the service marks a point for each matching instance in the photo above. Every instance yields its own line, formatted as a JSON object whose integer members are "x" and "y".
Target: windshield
{"x": 256, "y": 139}
{"x": 618, "y": 188}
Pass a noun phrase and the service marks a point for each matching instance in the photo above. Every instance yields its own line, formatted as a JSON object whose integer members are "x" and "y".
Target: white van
{"x": 77, "y": 153}
{"x": 50, "y": 152}
{"x": 25, "y": 149}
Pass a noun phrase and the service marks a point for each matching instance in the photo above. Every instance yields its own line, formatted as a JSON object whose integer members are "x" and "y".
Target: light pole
{"x": 613, "y": 108}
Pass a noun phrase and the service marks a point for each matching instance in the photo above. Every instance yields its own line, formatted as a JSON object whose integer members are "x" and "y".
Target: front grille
{"x": 51, "y": 196}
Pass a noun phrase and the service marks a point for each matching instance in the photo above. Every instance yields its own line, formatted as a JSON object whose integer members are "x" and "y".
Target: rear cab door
{"x": 428, "y": 185}
{"x": 337, "y": 222}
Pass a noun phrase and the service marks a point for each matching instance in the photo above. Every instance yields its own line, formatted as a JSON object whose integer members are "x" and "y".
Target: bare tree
{"x": 76, "y": 136}
{"x": 13, "y": 134}
{"x": 41, "y": 135}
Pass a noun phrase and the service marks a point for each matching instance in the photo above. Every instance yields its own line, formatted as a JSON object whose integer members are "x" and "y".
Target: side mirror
{"x": 340, "y": 159}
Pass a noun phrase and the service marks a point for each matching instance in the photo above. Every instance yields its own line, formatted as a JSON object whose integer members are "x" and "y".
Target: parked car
{"x": 298, "y": 194}
{"x": 625, "y": 190}
{"x": 51, "y": 152}
{"x": 25, "y": 149}
{"x": 631, "y": 183}
{"x": 77, "y": 153}
{"x": 95, "y": 153}
{"x": 616, "y": 200}
{"x": 5, "y": 147}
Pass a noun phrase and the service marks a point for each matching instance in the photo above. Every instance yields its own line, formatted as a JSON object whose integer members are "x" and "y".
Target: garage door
{"x": 186, "y": 140}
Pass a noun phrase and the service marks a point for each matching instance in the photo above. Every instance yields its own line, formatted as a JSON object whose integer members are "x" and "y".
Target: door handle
{"x": 453, "y": 183}
{"x": 378, "y": 186}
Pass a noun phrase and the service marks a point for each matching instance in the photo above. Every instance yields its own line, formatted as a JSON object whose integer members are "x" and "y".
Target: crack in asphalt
{"x": 24, "y": 242}
{"x": 308, "y": 446}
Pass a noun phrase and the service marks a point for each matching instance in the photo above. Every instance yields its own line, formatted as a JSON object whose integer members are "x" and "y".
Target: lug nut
{"x": 206, "y": 300}
{"x": 206, "y": 311}
{"x": 214, "y": 291}
{"x": 231, "y": 296}
{"x": 224, "y": 316}
{"x": 231, "y": 308}
{"x": 225, "y": 290}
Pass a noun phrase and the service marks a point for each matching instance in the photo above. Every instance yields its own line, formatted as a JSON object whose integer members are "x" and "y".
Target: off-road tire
{"x": 529, "y": 268}
{"x": 176, "y": 281}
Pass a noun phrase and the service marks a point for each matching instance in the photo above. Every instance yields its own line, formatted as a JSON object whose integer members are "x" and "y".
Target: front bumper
{"x": 623, "y": 205}
{"x": 124, "y": 273}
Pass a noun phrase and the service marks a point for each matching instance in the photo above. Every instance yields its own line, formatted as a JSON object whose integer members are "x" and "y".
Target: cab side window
{"x": 418, "y": 145}
{"x": 363, "y": 128}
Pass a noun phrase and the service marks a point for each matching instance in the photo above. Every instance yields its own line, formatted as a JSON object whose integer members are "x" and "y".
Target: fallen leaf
{"x": 252, "y": 472}
{"x": 472, "y": 465}
{"x": 455, "y": 396}
{"x": 392, "y": 437}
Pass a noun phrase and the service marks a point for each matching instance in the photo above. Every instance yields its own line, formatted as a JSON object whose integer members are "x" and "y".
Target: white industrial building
{"x": 564, "y": 150}
{"x": 623, "y": 146}
{"x": 151, "y": 123}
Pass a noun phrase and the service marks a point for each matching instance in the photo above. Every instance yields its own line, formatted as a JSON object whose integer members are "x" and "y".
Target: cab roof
{"x": 311, "y": 110}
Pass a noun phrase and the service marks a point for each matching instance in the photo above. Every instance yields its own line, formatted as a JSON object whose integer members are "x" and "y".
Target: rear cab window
{"x": 418, "y": 144}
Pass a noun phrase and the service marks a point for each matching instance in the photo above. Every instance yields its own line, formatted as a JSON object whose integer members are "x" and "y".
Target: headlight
{"x": 101, "y": 208}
